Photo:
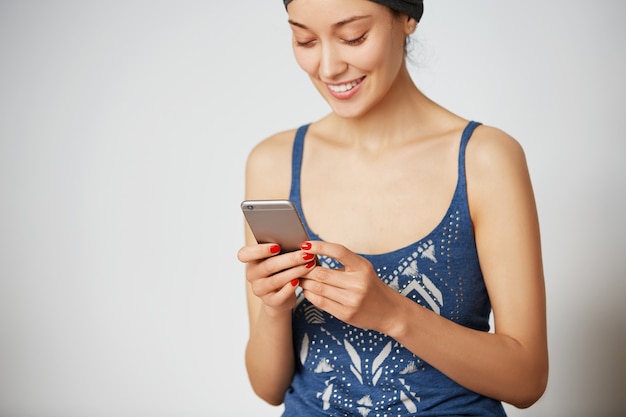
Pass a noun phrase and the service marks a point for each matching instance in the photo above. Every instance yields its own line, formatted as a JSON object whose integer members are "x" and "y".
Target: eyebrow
{"x": 335, "y": 25}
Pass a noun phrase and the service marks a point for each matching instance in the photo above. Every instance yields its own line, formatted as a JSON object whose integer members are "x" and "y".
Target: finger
{"x": 324, "y": 276}
{"x": 329, "y": 301}
{"x": 282, "y": 294}
{"x": 345, "y": 256}
{"x": 253, "y": 253}
{"x": 289, "y": 260}
{"x": 273, "y": 283}
{"x": 264, "y": 282}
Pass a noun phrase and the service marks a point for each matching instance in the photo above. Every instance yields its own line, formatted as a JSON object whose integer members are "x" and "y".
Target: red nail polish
{"x": 295, "y": 282}
{"x": 307, "y": 256}
{"x": 310, "y": 265}
{"x": 275, "y": 248}
{"x": 306, "y": 246}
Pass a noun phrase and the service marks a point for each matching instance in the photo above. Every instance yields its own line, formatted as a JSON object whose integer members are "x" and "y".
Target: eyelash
{"x": 350, "y": 42}
{"x": 306, "y": 44}
{"x": 357, "y": 41}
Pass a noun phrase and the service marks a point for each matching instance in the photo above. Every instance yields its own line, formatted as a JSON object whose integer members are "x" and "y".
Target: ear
{"x": 410, "y": 25}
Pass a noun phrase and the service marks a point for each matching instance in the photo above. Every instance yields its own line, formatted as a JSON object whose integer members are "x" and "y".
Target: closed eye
{"x": 356, "y": 41}
{"x": 305, "y": 44}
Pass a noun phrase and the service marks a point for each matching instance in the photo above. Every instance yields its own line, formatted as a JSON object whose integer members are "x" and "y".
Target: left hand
{"x": 354, "y": 294}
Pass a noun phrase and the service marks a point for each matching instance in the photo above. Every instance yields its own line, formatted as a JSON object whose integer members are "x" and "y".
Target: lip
{"x": 345, "y": 90}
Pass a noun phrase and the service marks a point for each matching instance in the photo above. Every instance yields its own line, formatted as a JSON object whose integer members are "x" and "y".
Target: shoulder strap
{"x": 467, "y": 134}
{"x": 296, "y": 166}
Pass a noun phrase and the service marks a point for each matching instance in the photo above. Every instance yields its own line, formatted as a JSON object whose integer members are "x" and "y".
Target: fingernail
{"x": 307, "y": 256}
{"x": 275, "y": 248}
{"x": 306, "y": 246}
{"x": 310, "y": 265}
{"x": 295, "y": 282}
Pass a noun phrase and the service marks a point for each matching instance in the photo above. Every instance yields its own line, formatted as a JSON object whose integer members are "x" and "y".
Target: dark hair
{"x": 411, "y": 8}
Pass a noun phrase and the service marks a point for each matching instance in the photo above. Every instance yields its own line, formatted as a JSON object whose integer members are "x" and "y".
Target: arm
{"x": 269, "y": 351}
{"x": 507, "y": 233}
{"x": 510, "y": 365}
{"x": 270, "y": 293}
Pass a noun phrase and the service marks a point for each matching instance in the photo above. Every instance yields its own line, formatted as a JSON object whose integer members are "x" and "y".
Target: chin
{"x": 347, "y": 110}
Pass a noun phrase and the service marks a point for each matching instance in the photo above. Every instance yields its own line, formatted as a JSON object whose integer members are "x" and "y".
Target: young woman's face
{"x": 352, "y": 50}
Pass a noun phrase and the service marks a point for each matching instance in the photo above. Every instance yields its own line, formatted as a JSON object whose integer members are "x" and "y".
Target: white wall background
{"x": 124, "y": 127}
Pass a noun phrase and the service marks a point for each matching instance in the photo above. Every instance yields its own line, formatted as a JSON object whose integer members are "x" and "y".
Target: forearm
{"x": 494, "y": 365}
{"x": 270, "y": 356}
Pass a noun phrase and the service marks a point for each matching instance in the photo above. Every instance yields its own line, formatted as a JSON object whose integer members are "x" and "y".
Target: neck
{"x": 395, "y": 119}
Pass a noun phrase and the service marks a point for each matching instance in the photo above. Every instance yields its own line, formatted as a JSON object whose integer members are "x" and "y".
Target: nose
{"x": 332, "y": 62}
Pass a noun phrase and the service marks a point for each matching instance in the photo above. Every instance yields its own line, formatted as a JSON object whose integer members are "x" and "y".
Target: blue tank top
{"x": 343, "y": 370}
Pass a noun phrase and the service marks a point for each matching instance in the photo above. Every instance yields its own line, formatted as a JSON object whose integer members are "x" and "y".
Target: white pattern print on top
{"x": 370, "y": 362}
{"x": 421, "y": 284}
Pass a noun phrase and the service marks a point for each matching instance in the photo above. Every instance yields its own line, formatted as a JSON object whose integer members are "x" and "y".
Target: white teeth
{"x": 342, "y": 88}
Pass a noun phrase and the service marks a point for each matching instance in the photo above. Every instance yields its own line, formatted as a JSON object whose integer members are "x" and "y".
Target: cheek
{"x": 369, "y": 60}
{"x": 374, "y": 57}
{"x": 306, "y": 59}
{"x": 392, "y": 55}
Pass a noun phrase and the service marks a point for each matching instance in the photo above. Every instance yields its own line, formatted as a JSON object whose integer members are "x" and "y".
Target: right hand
{"x": 273, "y": 276}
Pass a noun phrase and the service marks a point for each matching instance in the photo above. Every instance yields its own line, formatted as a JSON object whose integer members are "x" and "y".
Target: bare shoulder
{"x": 497, "y": 173}
{"x": 493, "y": 149}
{"x": 271, "y": 147}
{"x": 268, "y": 168}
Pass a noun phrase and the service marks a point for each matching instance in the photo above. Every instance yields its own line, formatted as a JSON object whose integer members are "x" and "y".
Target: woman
{"x": 421, "y": 233}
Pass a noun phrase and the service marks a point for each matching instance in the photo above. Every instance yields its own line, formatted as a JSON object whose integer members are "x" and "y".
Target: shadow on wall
{"x": 597, "y": 360}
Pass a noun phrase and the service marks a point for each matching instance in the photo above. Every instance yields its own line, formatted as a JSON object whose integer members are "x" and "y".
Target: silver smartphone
{"x": 275, "y": 221}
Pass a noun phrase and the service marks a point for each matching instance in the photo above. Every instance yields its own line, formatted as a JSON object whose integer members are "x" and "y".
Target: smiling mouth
{"x": 342, "y": 88}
